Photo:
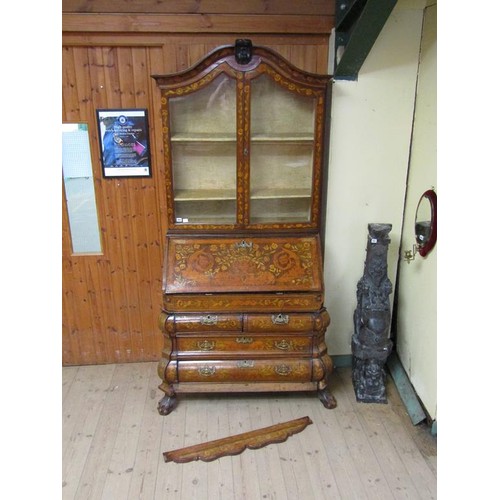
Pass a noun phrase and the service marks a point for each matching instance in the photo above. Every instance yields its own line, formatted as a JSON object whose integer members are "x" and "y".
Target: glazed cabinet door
{"x": 281, "y": 152}
{"x": 204, "y": 153}
{"x": 244, "y": 144}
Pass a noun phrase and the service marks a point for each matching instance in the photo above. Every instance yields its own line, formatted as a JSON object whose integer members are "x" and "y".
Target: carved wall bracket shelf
{"x": 234, "y": 445}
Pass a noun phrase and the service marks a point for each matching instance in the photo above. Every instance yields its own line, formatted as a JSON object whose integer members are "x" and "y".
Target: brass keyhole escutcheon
{"x": 280, "y": 319}
{"x": 209, "y": 319}
{"x": 283, "y": 370}
{"x": 206, "y": 345}
{"x": 206, "y": 371}
{"x": 244, "y": 340}
{"x": 245, "y": 364}
{"x": 284, "y": 345}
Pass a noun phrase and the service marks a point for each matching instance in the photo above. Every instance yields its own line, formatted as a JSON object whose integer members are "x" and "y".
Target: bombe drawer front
{"x": 278, "y": 322}
{"x": 245, "y": 370}
{"x": 193, "y": 323}
{"x": 258, "y": 344}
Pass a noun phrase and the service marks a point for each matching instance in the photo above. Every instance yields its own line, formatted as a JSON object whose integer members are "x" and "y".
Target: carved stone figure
{"x": 370, "y": 344}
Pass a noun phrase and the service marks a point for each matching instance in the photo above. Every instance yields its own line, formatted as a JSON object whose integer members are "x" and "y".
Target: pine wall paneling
{"x": 111, "y": 301}
{"x": 280, "y": 7}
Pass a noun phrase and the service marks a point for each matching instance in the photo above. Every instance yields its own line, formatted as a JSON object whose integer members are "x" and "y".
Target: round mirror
{"x": 426, "y": 222}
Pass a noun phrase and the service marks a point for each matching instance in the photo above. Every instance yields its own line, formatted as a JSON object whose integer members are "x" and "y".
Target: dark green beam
{"x": 358, "y": 35}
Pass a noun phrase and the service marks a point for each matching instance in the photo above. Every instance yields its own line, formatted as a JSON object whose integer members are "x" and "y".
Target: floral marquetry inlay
{"x": 240, "y": 265}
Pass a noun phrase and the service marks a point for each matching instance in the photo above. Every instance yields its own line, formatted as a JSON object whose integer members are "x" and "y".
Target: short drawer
{"x": 207, "y": 322}
{"x": 279, "y": 322}
{"x": 245, "y": 370}
{"x": 255, "y": 343}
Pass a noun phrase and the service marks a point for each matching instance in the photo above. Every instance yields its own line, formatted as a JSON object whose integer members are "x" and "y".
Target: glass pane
{"x": 203, "y": 138}
{"x": 282, "y": 147}
{"x": 79, "y": 189}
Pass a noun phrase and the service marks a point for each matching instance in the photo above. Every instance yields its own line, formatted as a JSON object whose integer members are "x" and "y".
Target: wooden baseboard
{"x": 342, "y": 361}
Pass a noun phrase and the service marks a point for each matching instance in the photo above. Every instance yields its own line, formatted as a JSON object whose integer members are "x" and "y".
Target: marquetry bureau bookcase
{"x": 244, "y": 143}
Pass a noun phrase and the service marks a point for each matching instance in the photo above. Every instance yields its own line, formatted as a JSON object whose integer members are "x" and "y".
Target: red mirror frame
{"x": 425, "y": 248}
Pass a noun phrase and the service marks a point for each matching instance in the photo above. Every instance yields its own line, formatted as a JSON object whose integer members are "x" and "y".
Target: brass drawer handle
{"x": 206, "y": 345}
{"x": 209, "y": 319}
{"x": 280, "y": 319}
{"x": 283, "y": 370}
{"x": 244, "y": 340}
{"x": 245, "y": 364}
{"x": 284, "y": 345}
{"x": 206, "y": 371}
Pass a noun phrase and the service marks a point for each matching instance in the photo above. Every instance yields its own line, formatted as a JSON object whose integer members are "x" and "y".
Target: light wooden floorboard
{"x": 68, "y": 377}
{"x": 113, "y": 441}
{"x": 82, "y": 409}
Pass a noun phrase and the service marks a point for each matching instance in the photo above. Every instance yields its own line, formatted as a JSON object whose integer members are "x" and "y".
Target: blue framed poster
{"x": 124, "y": 141}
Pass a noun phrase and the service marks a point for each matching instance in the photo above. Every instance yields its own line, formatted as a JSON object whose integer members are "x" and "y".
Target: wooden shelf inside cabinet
{"x": 204, "y": 194}
{"x": 269, "y": 194}
{"x": 258, "y": 138}
{"x": 285, "y": 138}
{"x": 243, "y": 292}
{"x": 208, "y": 137}
{"x": 225, "y": 194}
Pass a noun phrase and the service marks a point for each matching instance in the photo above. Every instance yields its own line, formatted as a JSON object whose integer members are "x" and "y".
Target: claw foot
{"x": 166, "y": 405}
{"x": 327, "y": 399}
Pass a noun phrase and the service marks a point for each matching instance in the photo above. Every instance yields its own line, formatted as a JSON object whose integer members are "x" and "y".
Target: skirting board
{"x": 342, "y": 361}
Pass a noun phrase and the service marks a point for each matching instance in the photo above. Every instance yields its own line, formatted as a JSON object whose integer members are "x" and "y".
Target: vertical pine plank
{"x": 195, "y": 52}
{"x": 70, "y": 323}
{"x": 77, "y": 314}
{"x": 148, "y": 228}
{"x": 182, "y": 57}
{"x": 144, "y": 317}
{"x": 80, "y": 333}
{"x": 102, "y": 69}
{"x": 69, "y": 87}
{"x": 119, "y": 93}
{"x": 321, "y": 52}
{"x": 96, "y": 310}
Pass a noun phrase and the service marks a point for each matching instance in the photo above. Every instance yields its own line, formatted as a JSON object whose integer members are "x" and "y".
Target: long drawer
{"x": 259, "y": 344}
{"x": 255, "y": 370}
